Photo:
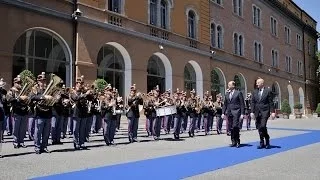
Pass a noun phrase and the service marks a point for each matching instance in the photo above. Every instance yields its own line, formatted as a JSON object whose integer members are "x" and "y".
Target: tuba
{"x": 27, "y": 89}
{"x": 53, "y": 89}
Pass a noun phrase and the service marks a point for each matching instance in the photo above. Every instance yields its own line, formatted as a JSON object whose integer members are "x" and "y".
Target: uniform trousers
{"x": 19, "y": 129}
{"x": 79, "y": 131}
{"x": 42, "y": 132}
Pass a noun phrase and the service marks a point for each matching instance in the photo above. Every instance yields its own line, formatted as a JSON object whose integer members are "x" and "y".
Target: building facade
{"x": 189, "y": 44}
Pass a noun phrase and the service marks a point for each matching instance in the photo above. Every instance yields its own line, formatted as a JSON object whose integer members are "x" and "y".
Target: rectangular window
{"x": 309, "y": 47}
{"x": 114, "y": 5}
{"x": 257, "y": 52}
{"x": 153, "y": 12}
{"x": 287, "y": 34}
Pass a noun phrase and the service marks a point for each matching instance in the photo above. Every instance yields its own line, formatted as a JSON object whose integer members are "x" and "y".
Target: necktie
{"x": 260, "y": 94}
{"x": 230, "y": 95}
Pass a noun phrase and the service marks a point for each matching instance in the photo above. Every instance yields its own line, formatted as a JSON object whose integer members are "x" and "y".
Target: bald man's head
{"x": 260, "y": 83}
{"x": 231, "y": 85}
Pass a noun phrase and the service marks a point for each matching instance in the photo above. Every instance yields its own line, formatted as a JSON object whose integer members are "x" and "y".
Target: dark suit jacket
{"x": 234, "y": 106}
{"x": 262, "y": 107}
{"x": 133, "y": 111}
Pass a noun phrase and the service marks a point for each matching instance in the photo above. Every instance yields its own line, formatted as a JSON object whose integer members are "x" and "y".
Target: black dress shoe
{"x": 83, "y": 147}
{"x": 23, "y": 146}
{"x": 238, "y": 144}
{"x": 37, "y": 151}
{"x": 233, "y": 144}
{"x": 268, "y": 146}
{"x": 15, "y": 146}
{"x": 45, "y": 150}
{"x": 261, "y": 146}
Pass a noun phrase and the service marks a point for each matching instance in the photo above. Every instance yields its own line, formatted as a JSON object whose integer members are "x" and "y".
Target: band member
{"x": 262, "y": 106}
{"x": 180, "y": 105}
{"x": 3, "y": 93}
{"x": 211, "y": 114}
{"x": 248, "y": 110}
{"x": 168, "y": 118}
{"x": 198, "y": 113}
{"x": 43, "y": 115}
{"x": 184, "y": 111}
{"x": 109, "y": 104}
{"x": 207, "y": 106}
{"x": 218, "y": 113}
{"x": 19, "y": 111}
{"x": 133, "y": 101}
{"x": 150, "y": 112}
{"x": 234, "y": 110}
{"x": 66, "y": 109}
{"x": 90, "y": 99}
{"x": 192, "y": 104}
{"x": 96, "y": 112}
{"x": 119, "y": 109}
{"x": 158, "y": 102}
{"x": 80, "y": 114}
{"x": 56, "y": 122}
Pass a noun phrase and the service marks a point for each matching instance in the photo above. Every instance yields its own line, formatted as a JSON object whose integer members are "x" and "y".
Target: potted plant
{"x": 318, "y": 110}
{"x": 285, "y": 109}
{"x": 297, "y": 110}
{"x": 24, "y": 74}
{"x": 100, "y": 84}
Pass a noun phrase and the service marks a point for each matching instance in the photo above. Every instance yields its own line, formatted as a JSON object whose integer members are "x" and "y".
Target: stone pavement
{"x": 299, "y": 163}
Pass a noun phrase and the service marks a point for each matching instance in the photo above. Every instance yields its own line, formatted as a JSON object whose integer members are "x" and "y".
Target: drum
{"x": 164, "y": 111}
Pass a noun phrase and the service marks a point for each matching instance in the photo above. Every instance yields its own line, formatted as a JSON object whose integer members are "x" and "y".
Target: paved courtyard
{"x": 294, "y": 155}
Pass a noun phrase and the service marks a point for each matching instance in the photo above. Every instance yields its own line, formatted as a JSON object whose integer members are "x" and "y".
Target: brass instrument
{"x": 27, "y": 89}
{"x": 53, "y": 89}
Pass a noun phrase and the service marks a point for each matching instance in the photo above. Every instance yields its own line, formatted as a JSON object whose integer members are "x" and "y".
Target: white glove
{"x": 222, "y": 116}
{"x": 273, "y": 116}
{"x": 252, "y": 116}
{"x": 241, "y": 117}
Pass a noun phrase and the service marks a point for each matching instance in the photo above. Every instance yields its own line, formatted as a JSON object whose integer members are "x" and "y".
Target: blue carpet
{"x": 191, "y": 164}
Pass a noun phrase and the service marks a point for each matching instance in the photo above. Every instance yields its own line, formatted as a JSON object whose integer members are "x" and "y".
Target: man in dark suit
{"x": 262, "y": 106}
{"x": 233, "y": 109}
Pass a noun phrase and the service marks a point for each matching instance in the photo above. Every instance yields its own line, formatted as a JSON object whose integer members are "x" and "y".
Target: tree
{"x": 24, "y": 74}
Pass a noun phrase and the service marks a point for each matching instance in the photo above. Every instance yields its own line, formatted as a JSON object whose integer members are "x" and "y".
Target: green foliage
{"x": 100, "y": 84}
{"x": 318, "y": 109}
{"x": 297, "y": 106}
{"x": 285, "y": 107}
{"x": 24, "y": 74}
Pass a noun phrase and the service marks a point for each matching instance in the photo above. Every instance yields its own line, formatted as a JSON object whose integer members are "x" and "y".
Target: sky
{"x": 312, "y": 7}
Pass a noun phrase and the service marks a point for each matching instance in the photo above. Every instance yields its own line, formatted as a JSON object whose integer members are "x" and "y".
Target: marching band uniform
{"x": 31, "y": 122}
{"x": 119, "y": 109}
{"x": 178, "y": 116}
{"x": 248, "y": 110}
{"x": 211, "y": 113}
{"x": 109, "y": 121}
{"x": 150, "y": 113}
{"x": 20, "y": 112}
{"x": 205, "y": 111}
{"x": 133, "y": 114}
{"x": 218, "y": 107}
{"x": 90, "y": 110}
{"x": 3, "y": 92}
{"x": 43, "y": 115}
{"x": 80, "y": 114}
{"x": 96, "y": 111}
{"x": 168, "y": 118}
{"x": 192, "y": 103}
{"x": 57, "y": 122}
{"x": 184, "y": 112}
{"x": 65, "y": 113}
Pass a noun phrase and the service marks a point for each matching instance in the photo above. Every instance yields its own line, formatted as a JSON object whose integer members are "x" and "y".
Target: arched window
{"x": 217, "y": 82}
{"x": 156, "y": 74}
{"x": 219, "y": 37}
{"x": 240, "y": 84}
{"x": 276, "y": 95}
{"x": 163, "y": 14}
{"x": 153, "y": 12}
{"x": 38, "y": 51}
{"x": 240, "y": 45}
{"x": 189, "y": 78}
{"x": 191, "y": 24}
{"x": 111, "y": 67}
{"x": 235, "y": 43}
{"x": 213, "y": 34}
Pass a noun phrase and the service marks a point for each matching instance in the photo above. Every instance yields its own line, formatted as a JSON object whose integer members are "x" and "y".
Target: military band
{"x": 41, "y": 109}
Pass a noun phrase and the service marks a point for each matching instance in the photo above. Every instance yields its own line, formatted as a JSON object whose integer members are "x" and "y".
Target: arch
{"x": 222, "y": 80}
{"x": 64, "y": 45}
{"x": 243, "y": 83}
{"x": 168, "y": 69}
{"x": 291, "y": 97}
{"x": 127, "y": 66}
{"x": 196, "y": 23}
{"x": 277, "y": 94}
{"x": 301, "y": 99}
{"x": 199, "y": 77}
